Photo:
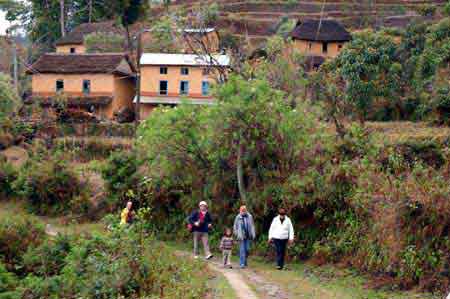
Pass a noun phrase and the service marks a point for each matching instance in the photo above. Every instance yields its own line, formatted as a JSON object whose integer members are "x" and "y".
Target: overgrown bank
{"x": 116, "y": 264}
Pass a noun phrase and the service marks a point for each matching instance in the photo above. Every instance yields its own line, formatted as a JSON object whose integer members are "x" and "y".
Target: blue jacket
{"x": 203, "y": 228}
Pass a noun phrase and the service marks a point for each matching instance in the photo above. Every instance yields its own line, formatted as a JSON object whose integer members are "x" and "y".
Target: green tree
{"x": 366, "y": 70}
{"x": 9, "y": 101}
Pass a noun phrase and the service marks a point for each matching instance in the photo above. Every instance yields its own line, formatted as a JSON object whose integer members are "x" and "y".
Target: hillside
{"x": 259, "y": 19}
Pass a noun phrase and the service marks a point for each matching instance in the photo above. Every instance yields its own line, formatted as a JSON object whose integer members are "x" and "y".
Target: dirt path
{"x": 236, "y": 280}
{"x": 244, "y": 282}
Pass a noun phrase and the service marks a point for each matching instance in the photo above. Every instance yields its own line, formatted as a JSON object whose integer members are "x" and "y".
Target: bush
{"x": 447, "y": 9}
{"x": 8, "y": 283}
{"x": 121, "y": 178}
{"x": 17, "y": 234}
{"x": 7, "y": 177}
{"x": 50, "y": 186}
{"x": 116, "y": 265}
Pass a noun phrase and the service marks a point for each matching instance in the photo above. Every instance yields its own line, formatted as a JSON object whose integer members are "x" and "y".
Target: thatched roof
{"x": 77, "y": 35}
{"x": 323, "y": 31}
{"x": 99, "y": 63}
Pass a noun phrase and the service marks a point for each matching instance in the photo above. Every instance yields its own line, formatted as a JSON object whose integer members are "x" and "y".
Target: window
{"x": 72, "y": 50}
{"x": 86, "y": 86}
{"x": 340, "y": 47}
{"x": 184, "y": 87}
{"x": 310, "y": 46}
{"x": 324, "y": 47}
{"x": 185, "y": 71}
{"x": 59, "y": 85}
{"x": 205, "y": 88}
{"x": 163, "y": 70}
{"x": 205, "y": 71}
{"x": 163, "y": 86}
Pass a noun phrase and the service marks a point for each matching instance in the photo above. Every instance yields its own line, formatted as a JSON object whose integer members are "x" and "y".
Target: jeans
{"x": 280, "y": 247}
{"x": 244, "y": 248}
{"x": 204, "y": 238}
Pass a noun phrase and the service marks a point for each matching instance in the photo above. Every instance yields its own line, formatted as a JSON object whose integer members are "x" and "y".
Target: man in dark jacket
{"x": 201, "y": 222}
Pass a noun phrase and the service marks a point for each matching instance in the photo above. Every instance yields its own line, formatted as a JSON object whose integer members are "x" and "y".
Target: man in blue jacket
{"x": 200, "y": 221}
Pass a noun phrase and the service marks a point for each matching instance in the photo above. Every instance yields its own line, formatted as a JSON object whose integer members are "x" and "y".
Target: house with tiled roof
{"x": 98, "y": 83}
{"x": 320, "y": 38}
{"x": 167, "y": 79}
{"x": 73, "y": 42}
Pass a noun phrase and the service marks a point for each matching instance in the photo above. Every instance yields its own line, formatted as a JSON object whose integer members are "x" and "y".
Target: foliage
{"x": 50, "y": 186}
{"x": 121, "y": 178}
{"x": 364, "y": 72}
{"x": 446, "y": 9}
{"x": 104, "y": 43}
{"x": 7, "y": 177}
{"x": 124, "y": 263}
{"x": 17, "y": 234}
{"x": 9, "y": 100}
{"x": 284, "y": 68}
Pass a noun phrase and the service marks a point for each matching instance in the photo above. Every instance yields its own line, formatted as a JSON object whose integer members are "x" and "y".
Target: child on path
{"x": 226, "y": 245}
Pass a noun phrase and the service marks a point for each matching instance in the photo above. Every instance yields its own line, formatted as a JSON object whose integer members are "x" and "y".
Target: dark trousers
{"x": 280, "y": 247}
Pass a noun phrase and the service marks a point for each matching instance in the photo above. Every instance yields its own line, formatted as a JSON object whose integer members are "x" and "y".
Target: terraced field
{"x": 258, "y": 19}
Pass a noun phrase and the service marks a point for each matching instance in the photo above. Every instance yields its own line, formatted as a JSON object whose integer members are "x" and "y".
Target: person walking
{"x": 127, "y": 215}
{"x": 281, "y": 233}
{"x": 226, "y": 245}
{"x": 244, "y": 231}
{"x": 200, "y": 222}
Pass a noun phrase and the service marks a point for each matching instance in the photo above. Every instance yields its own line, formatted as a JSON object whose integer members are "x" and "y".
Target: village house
{"x": 99, "y": 83}
{"x": 168, "y": 78}
{"x": 73, "y": 42}
{"x": 316, "y": 38}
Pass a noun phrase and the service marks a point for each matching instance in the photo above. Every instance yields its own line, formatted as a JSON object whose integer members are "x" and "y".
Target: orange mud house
{"x": 99, "y": 83}
{"x": 319, "y": 40}
{"x": 169, "y": 78}
{"x": 73, "y": 42}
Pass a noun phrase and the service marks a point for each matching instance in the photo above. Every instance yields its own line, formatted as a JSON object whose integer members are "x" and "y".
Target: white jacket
{"x": 280, "y": 230}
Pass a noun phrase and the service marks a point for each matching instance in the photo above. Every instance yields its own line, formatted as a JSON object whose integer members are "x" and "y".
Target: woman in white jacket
{"x": 281, "y": 233}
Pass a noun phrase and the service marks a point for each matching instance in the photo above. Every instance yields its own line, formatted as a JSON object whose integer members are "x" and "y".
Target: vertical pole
{"x": 61, "y": 17}
{"x": 138, "y": 82}
{"x": 16, "y": 68}
{"x": 90, "y": 11}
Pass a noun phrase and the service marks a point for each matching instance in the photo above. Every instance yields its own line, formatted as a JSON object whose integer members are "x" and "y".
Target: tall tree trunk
{"x": 90, "y": 11}
{"x": 62, "y": 17}
{"x": 240, "y": 174}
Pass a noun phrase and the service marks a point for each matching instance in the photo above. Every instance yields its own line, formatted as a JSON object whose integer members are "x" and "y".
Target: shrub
{"x": 120, "y": 176}
{"x": 49, "y": 186}
{"x": 48, "y": 258}
{"x": 17, "y": 234}
{"x": 447, "y": 9}
{"x": 7, "y": 177}
{"x": 117, "y": 265}
{"x": 8, "y": 283}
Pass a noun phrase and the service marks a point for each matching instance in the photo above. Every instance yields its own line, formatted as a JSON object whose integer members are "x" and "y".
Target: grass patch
{"x": 59, "y": 224}
{"x": 308, "y": 281}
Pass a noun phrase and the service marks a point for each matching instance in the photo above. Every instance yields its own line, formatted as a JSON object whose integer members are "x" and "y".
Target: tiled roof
{"x": 77, "y": 35}
{"x": 330, "y": 30}
{"x": 57, "y": 63}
